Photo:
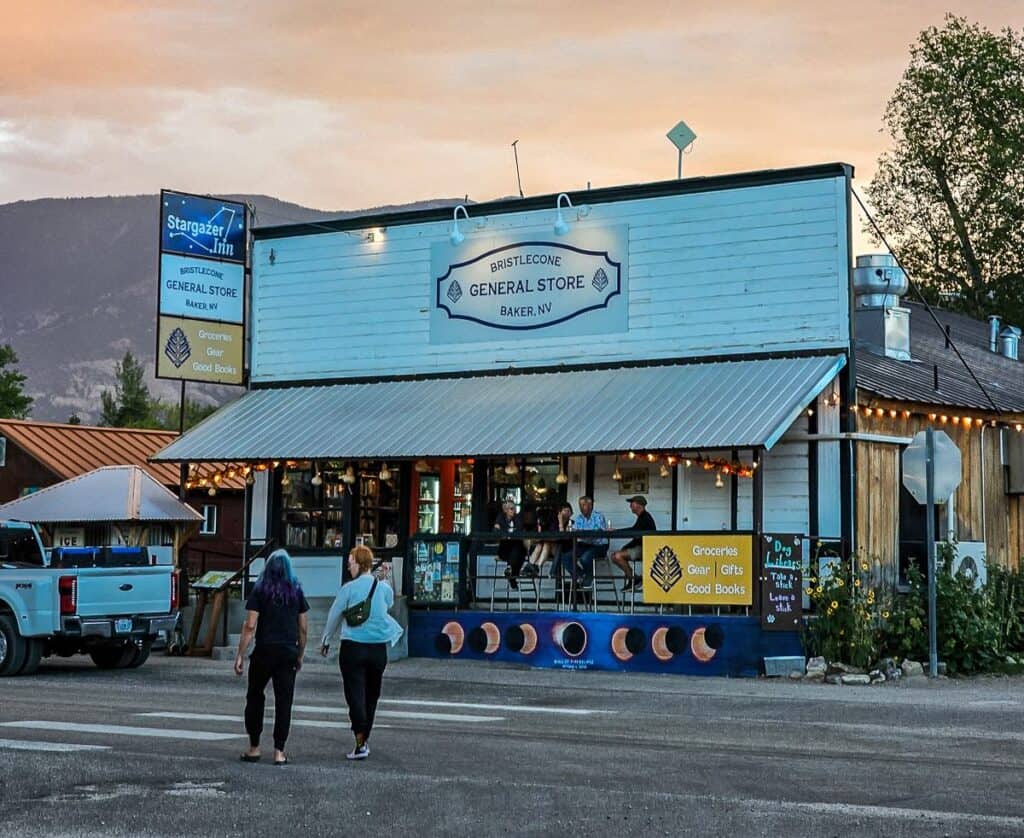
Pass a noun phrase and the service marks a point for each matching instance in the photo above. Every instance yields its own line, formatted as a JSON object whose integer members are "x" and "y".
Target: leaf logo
{"x": 600, "y": 280}
{"x": 455, "y": 291}
{"x": 665, "y": 569}
{"x": 177, "y": 348}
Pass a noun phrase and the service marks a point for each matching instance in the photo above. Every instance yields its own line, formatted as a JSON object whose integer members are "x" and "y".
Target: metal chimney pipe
{"x": 993, "y": 333}
{"x": 1009, "y": 342}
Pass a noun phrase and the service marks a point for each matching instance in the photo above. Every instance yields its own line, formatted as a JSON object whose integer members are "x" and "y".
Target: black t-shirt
{"x": 279, "y": 621}
{"x": 644, "y": 522}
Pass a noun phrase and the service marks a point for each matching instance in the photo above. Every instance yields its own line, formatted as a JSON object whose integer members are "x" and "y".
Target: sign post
{"x": 932, "y": 469}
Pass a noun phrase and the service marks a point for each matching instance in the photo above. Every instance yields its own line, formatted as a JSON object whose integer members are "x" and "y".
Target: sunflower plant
{"x": 848, "y": 611}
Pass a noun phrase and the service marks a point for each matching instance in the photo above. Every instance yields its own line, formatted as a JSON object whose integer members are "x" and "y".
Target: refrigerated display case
{"x": 462, "y": 502}
{"x": 428, "y": 506}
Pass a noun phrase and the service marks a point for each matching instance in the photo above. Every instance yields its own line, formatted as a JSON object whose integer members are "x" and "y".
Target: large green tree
{"x": 14, "y": 404}
{"x": 129, "y": 405}
{"x": 949, "y": 196}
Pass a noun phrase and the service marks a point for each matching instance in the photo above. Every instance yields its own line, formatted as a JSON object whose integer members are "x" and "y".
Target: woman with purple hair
{"x": 276, "y": 615}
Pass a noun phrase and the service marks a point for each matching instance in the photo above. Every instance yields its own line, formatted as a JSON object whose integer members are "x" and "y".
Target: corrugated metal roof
{"x": 743, "y": 404}
{"x": 914, "y": 381}
{"x": 112, "y": 493}
{"x": 71, "y": 450}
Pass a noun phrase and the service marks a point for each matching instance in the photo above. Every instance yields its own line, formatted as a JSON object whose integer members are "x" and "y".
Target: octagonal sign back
{"x": 948, "y": 467}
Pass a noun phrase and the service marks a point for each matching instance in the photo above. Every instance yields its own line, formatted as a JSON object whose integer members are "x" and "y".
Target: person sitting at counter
{"x": 544, "y": 550}
{"x": 588, "y": 550}
{"x": 632, "y": 550}
{"x": 512, "y": 551}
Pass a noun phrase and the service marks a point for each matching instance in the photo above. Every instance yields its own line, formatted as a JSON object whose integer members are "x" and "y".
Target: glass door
{"x": 429, "y": 504}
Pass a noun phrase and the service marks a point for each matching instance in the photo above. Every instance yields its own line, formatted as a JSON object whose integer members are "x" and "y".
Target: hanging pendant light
{"x": 617, "y": 475}
{"x": 317, "y": 479}
{"x": 664, "y": 470}
{"x": 511, "y": 467}
{"x": 286, "y": 481}
{"x": 718, "y": 481}
{"x": 561, "y": 478}
{"x": 385, "y": 472}
{"x": 249, "y": 479}
{"x": 211, "y": 491}
{"x": 422, "y": 466}
{"x": 349, "y": 476}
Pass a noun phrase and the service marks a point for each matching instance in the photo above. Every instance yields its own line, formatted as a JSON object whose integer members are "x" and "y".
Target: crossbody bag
{"x": 359, "y": 613}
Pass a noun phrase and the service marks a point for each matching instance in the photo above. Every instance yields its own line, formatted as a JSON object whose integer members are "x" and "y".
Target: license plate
{"x": 123, "y": 626}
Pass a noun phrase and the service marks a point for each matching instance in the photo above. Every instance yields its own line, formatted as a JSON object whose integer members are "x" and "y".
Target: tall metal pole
{"x": 679, "y": 168}
{"x": 929, "y": 467}
{"x": 183, "y": 467}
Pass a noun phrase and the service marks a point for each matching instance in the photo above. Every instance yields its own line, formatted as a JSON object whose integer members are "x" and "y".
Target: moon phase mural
{"x": 702, "y": 651}
{"x": 667, "y": 642}
{"x": 703, "y": 644}
{"x": 451, "y": 638}
{"x": 571, "y": 638}
{"x": 627, "y": 642}
{"x": 521, "y": 638}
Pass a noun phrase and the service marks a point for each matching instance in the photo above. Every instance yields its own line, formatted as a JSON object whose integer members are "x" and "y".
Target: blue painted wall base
{"x": 698, "y": 645}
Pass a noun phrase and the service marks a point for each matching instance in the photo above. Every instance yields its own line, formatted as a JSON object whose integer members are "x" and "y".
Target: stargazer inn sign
{"x": 530, "y": 286}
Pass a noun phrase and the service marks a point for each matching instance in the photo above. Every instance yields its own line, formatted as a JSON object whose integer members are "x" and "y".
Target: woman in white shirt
{"x": 364, "y": 648}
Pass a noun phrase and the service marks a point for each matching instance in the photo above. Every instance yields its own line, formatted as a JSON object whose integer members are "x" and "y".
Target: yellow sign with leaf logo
{"x": 698, "y": 569}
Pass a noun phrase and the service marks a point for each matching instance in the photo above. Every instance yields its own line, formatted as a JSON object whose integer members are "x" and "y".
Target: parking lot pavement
{"x": 475, "y": 749}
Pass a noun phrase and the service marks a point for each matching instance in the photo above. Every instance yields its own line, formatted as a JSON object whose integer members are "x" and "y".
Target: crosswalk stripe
{"x": 121, "y": 730}
{"x": 404, "y": 714}
{"x": 33, "y": 745}
{"x": 463, "y": 705}
{"x": 215, "y": 717}
{"x": 563, "y": 711}
{"x": 388, "y": 714}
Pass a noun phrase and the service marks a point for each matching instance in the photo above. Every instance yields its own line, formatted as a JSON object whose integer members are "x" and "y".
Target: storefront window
{"x": 530, "y": 483}
{"x": 312, "y": 503}
{"x": 379, "y": 505}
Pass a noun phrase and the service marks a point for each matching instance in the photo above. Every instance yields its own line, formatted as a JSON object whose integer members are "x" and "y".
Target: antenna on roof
{"x": 519, "y": 180}
{"x": 682, "y": 137}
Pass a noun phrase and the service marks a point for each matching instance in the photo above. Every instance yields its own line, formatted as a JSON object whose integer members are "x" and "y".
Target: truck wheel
{"x": 33, "y": 655}
{"x": 12, "y": 646}
{"x": 141, "y": 654}
{"x": 112, "y": 657}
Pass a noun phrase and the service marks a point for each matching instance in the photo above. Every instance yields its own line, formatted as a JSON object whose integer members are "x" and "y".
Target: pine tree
{"x": 14, "y": 404}
{"x": 129, "y": 405}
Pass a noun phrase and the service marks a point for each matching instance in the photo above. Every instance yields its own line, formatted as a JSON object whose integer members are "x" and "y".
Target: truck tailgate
{"x": 114, "y": 591}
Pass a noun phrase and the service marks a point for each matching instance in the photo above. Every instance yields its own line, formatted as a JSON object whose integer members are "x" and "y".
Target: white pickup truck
{"x": 109, "y": 604}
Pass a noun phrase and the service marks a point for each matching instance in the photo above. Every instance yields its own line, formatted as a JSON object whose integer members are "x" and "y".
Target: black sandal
{"x": 280, "y": 762}
{"x": 249, "y": 758}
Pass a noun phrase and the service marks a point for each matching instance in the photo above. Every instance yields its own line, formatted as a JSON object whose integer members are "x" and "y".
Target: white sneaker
{"x": 362, "y": 752}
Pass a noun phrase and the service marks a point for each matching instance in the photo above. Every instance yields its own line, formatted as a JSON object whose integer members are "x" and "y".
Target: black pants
{"x": 362, "y": 671}
{"x": 276, "y": 663}
{"x": 512, "y": 551}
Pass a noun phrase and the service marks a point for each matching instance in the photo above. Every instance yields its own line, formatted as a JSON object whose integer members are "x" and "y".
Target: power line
{"x": 920, "y": 296}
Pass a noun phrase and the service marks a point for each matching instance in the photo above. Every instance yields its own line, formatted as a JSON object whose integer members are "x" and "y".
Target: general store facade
{"x": 687, "y": 340}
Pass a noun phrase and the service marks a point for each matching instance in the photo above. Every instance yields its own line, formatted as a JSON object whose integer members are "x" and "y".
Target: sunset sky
{"x": 349, "y": 105}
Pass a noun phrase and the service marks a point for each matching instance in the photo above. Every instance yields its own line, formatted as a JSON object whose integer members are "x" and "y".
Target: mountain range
{"x": 78, "y": 286}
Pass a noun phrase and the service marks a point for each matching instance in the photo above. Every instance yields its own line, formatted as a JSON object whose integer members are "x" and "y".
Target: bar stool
{"x": 521, "y": 581}
{"x": 608, "y": 580}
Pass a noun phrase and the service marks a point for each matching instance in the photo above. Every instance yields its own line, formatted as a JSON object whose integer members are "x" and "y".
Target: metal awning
{"x": 731, "y": 404}
{"x": 112, "y": 493}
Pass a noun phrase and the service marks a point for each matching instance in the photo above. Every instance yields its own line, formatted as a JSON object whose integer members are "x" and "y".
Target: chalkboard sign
{"x": 782, "y": 561}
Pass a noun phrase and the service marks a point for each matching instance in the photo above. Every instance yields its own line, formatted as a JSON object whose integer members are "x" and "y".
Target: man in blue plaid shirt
{"x": 588, "y": 550}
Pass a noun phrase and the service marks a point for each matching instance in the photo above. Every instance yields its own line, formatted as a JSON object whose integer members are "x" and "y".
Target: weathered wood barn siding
{"x": 998, "y": 521}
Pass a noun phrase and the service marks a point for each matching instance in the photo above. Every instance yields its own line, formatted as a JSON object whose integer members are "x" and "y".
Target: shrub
{"x": 849, "y": 613}
{"x": 968, "y": 631}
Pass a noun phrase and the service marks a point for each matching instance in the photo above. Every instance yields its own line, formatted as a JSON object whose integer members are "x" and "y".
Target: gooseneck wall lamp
{"x": 457, "y": 237}
{"x": 561, "y": 227}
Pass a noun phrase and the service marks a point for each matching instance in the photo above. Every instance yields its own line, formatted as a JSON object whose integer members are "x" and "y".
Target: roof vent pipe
{"x": 1009, "y": 341}
{"x": 993, "y": 333}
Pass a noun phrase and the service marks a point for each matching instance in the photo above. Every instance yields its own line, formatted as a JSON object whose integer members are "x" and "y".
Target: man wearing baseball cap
{"x": 632, "y": 550}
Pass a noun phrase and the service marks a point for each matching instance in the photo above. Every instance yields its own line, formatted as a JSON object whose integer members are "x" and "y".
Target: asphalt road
{"x": 471, "y": 749}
